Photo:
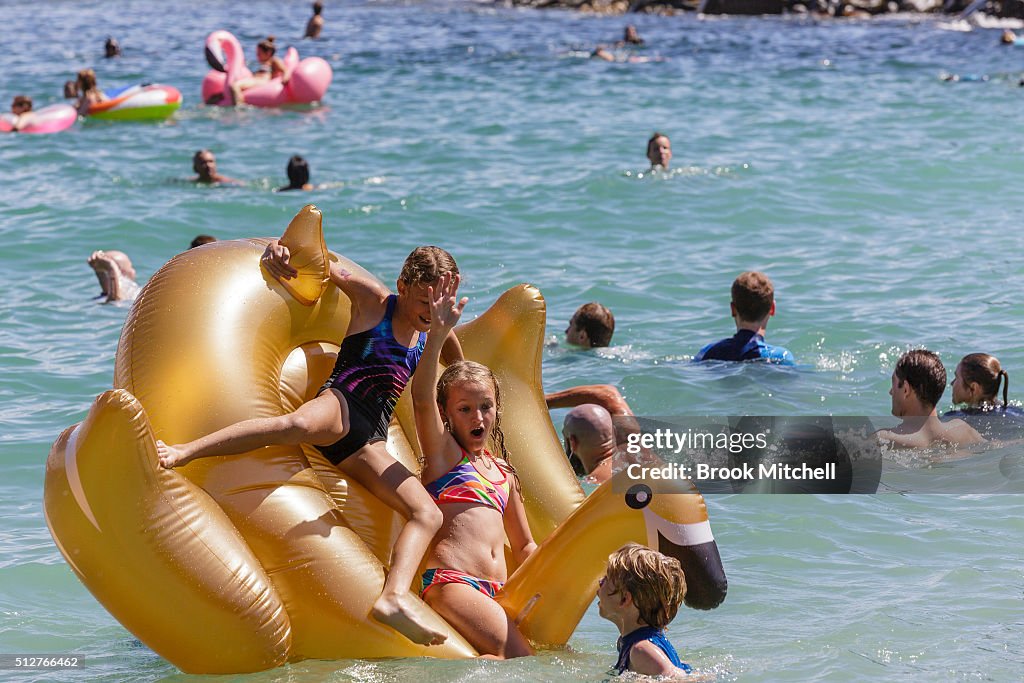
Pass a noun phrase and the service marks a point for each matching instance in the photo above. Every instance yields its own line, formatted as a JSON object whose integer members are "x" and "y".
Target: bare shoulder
{"x": 648, "y": 659}
{"x": 960, "y": 433}
{"x": 368, "y": 296}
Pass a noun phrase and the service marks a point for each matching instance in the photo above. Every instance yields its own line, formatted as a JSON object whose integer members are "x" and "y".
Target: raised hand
{"x": 445, "y": 306}
{"x": 276, "y": 260}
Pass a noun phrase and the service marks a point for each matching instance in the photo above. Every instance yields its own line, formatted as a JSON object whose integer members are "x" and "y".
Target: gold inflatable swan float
{"x": 243, "y": 563}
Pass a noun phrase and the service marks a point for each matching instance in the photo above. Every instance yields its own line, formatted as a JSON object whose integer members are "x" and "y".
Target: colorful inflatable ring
{"x": 51, "y": 119}
{"x": 137, "y": 103}
{"x": 242, "y": 563}
{"x": 308, "y": 79}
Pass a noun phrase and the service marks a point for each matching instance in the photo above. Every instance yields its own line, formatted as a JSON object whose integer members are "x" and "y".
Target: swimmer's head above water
{"x": 21, "y": 104}
{"x": 918, "y": 381}
{"x": 659, "y": 151}
{"x": 630, "y": 36}
{"x": 591, "y": 325}
{"x": 86, "y": 81}
{"x": 977, "y": 379}
{"x": 298, "y": 173}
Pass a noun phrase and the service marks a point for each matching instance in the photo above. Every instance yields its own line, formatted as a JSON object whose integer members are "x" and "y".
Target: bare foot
{"x": 401, "y": 613}
{"x": 170, "y": 456}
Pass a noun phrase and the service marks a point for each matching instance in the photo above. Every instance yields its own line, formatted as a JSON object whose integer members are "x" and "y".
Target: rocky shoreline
{"x": 836, "y": 8}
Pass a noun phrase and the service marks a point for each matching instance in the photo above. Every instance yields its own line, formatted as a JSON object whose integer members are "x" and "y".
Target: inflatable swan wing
{"x": 242, "y": 563}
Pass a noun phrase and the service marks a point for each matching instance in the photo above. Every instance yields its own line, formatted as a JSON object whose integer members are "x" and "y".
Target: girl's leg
{"x": 479, "y": 619}
{"x": 244, "y": 84}
{"x": 320, "y": 422}
{"x": 400, "y": 490}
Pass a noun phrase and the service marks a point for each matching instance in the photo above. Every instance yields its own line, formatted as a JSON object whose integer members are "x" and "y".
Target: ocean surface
{"x": 883, "y": 201}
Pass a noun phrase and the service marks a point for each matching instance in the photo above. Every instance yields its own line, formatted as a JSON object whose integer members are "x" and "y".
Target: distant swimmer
{"x": 630, "y": 36}
{"x": 591, "y": 325}
{"x": 298, "y": 175}
{"x": 70, "y": 90}
{"x": 976, "y": 383}
{"x": 88, "y": 92}
{"x": 316, "y": 22}
{"x": 111, "y": 48}
{"x": 753, "y": 303}
{"x": 115, "y": 274}
{"x": 1008, "y": 37}
{"x": 601, "y": 52}
{"x": 21, "y": 107}
{"x": 271, "y": 67}
{"x": 200, "y": 240}
{"x": 659, "y": 151}
{"x": 205, "y": 164}
{"x": 918, "y": 381}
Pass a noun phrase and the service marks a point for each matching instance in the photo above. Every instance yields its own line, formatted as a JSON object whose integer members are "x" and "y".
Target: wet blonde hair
{"x": 465, "y": 371}
{"x": 426, "y": 264}
{"x": 86, "y": 80}
{"x": 655, "y": 581}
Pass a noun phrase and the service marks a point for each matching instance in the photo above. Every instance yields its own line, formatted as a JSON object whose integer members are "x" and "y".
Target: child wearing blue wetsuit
{"x": 753, "y": 303}
{"x": 348, "y": 419}
{"x": 640, "y": 593}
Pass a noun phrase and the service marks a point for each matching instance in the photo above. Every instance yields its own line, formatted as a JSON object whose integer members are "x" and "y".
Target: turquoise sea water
{"x": 883, "y": 202}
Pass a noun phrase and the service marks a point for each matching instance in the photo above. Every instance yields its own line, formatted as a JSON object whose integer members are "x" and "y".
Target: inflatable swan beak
{"x": 546, "y": 595}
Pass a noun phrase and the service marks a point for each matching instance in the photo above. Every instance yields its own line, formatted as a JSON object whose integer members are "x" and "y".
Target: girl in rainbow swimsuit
{"x": 478, "y": 492}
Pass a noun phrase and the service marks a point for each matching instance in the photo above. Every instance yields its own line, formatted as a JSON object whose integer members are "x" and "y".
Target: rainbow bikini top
{"x": 464, "y": 483}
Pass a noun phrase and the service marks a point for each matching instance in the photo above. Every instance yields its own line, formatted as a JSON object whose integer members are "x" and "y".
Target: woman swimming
{"x": 976, "y": 384}
{"x": 348, "y": 420}
{"x": 478, "y": 492}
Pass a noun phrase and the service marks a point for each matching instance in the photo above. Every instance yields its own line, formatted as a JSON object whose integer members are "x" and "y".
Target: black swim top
{"x": 373, "y": 367}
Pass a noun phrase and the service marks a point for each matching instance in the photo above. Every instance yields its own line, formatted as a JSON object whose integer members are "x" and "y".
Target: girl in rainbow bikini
{"x": 478, "y": 493}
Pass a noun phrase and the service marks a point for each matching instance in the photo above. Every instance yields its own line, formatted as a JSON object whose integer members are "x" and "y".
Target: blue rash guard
{"x": 745, "y": 345}
{"x": 626, "y": 643}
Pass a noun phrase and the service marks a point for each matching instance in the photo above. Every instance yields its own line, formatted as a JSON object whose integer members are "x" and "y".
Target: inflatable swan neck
{"x": 222, "y": 49}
